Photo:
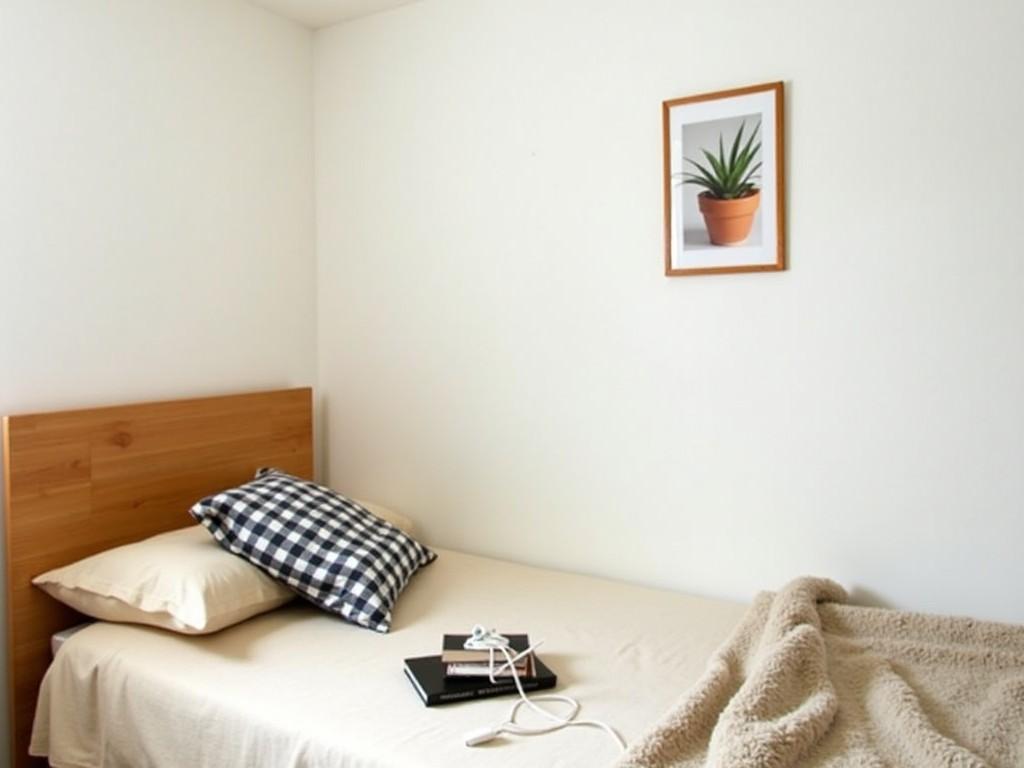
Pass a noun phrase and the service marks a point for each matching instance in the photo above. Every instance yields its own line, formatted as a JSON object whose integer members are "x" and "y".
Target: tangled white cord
{"x": 493, "y": 642}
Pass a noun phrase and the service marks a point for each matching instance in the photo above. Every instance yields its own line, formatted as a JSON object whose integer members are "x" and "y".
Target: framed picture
{"x": 724, "y": 201}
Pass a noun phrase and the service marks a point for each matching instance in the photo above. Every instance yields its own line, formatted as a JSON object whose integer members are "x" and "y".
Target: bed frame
{"x": 78, "y": 482}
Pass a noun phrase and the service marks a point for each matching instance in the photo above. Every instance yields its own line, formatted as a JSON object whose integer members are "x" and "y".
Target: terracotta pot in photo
{"x": 729, "y": 221}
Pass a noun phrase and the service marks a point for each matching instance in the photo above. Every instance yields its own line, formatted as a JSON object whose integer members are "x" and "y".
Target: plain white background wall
{"x": 503, "y": 360}
{"x": 156, "y": 212}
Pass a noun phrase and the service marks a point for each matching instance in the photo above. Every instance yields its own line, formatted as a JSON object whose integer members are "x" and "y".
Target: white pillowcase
{"x": 182, "y": 581}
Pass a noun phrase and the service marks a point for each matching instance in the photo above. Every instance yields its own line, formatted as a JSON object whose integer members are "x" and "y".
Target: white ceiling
{"x": 323, "y": 13}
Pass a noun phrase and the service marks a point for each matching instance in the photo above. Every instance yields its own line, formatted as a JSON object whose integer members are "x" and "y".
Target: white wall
{"x": 156, "y": 213}
{"x": 503, "y": 359}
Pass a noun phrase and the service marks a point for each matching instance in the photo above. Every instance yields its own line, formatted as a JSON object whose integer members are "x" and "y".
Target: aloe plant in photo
{"x": 730, "y": 195}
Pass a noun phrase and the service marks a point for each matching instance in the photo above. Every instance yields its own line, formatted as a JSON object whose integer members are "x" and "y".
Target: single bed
{"x": 295, "y": 687}
{"x": 802, "y": 678}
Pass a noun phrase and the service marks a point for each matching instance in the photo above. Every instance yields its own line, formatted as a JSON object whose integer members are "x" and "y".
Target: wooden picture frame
{"x": 724, "y": 217}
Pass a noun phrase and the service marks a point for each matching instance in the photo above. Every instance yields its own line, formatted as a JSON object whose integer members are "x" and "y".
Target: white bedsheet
{"x": 297, "y": 688}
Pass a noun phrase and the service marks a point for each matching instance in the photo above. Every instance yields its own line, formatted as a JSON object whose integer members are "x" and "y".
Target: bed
{"x": 297, "y": 688}
{"x": 800, "y": 678}
{"x": 294, "y": 687}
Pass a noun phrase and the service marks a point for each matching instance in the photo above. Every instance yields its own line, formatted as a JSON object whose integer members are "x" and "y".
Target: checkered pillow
{"x": 327, "y": 548}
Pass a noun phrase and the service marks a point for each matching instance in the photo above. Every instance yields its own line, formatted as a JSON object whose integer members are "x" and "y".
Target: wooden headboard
{"x": 78, "y": 482}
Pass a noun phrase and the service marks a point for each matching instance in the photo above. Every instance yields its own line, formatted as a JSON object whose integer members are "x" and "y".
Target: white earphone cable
{"x": 557, "y": 722}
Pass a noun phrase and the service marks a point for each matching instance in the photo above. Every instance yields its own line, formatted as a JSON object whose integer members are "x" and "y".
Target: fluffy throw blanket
{"x": 807, "y": 680}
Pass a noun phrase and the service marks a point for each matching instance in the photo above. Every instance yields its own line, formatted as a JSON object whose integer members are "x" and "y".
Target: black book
{"x": 427, "y": 675}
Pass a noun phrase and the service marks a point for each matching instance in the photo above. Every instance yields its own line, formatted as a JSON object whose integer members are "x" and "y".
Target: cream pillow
{"x": 182, "y": 581}
{"x": 401, "y": 522}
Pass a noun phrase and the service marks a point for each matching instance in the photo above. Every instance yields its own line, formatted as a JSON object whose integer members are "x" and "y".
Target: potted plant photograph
{"x": 723, "y": 182}
{"x": 728, "y": 180}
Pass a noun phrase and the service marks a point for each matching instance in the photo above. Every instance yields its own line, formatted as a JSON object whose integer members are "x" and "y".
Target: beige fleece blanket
{"x": 808, "y": 680}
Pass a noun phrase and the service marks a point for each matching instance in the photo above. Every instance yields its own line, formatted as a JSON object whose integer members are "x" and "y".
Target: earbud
{"x": 481, "y": 736}
{"x": 482, "y": 639}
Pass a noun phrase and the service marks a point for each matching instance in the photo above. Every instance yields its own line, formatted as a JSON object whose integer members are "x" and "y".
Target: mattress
{"x": 298, "y": 688}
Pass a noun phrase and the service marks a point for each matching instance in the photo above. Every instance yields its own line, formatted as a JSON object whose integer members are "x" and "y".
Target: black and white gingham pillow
{"x": 327, "y": 548}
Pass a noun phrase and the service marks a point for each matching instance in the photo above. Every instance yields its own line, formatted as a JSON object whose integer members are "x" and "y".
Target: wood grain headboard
{"x": 78, "y": 482}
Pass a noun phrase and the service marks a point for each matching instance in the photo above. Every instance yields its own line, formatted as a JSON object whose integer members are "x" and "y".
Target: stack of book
{"x": 458, "y": 674}
{"x": 460, "y": 662}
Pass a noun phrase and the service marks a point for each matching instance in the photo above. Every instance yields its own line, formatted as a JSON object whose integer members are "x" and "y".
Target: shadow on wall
{"x": 321, "y": 447}
{"x": 867, "y": 597}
